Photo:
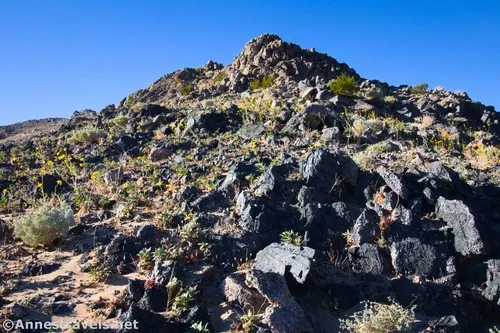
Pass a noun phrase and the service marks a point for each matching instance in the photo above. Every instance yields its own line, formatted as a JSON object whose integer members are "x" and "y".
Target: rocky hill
{"x": 280, "y": 193}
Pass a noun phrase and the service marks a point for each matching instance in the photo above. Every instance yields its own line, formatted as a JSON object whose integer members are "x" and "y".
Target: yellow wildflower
{"x": 39, "y": 185}
{"x": 126, "y": 185}
{"x": 61, "y": 157}
{"x": 5, "y": 191}
{"x": 50, "y": 163}
{"x": 59, "y": 182}
{"x": 253, "y": 145}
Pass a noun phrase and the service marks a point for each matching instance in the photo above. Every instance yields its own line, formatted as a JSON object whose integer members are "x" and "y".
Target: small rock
{"x": 160, "y": 153}
{"x": 330, "y": 134}
{"x": 251, "y": 132}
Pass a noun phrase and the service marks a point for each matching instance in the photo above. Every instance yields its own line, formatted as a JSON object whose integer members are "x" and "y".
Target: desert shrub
{"x": 87, "y": 135}
{"x": 344, "y": 85}
{"x": 219, "y": 77}
{"x": 380, "y": 318}
{"x": 120, "y": 121}
{"x": 45, "y": 224}
{"x": 419, "y": 89}
{"x": 265, "y": 82}
{"x": 482, "y": 156}
{"x": 186, "y": 89}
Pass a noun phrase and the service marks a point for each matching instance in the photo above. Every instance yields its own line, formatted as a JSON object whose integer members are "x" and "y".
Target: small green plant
{"x": 160, "y": 255}
{"x": 183, "y": 299}
{"x": 380, "y": 318}
{"x": 249, "y": 322}
{"x": 419, "y": 89}
{"x": 99, "y": 274}
{"x": 265, "y": 82}
{"x": 45, "y": 224}
{"x": 198, "y": 327}
{"x": 292, "y": 237}
{"x": 87, "y": 135}
{"x": 145, "y": 259}
{"x": 192, "y": 232}
{"x": 494, "y": 330}
{"x": 349, "y": 237}
{"x": 344, "y": 85}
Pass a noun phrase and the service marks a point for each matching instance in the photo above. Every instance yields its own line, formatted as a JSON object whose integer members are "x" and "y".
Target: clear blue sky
{"x": 59, "y": 56}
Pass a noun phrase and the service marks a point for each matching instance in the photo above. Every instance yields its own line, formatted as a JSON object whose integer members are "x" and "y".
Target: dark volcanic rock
{"x": 370, "y": 259}
{"x": 149, "y": 322}
{"x": 395, "y": 183}
{"x": 39, "y": 268}
{"x": 411, "y": 256}
{"x": 366, "y": 227}
{"x": 468, "y": 240}
{"x": 322, "y": 170}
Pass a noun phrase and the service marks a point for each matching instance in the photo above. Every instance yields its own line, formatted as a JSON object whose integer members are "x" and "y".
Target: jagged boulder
{"x": 323, "y": 170}
{"x": 269, "y": 55}
{"x": 468, "y": 239}
{"x": 492, "y": 291}
{"x": 268, "y": 277}
{"x": 366, "y": 227}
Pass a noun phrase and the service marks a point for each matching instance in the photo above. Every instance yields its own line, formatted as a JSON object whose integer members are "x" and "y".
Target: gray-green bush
{"x": 45, "y": 224}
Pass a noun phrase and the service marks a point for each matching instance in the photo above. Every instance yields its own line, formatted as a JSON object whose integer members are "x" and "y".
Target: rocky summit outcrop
{"x": 277, "y": 194}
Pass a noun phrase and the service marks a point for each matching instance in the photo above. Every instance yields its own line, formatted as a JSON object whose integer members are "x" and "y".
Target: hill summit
{"x": 280, "y": 193}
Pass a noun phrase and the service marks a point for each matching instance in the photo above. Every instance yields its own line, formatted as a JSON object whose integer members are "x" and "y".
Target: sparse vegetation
{"x": 45, "y": 224}
{"x": 99, "y": 274}
{"x": 380, "y": 318}
{"x": 344, "y": 85}
{"x": 292, "y": 237}
{"x": 419, "y": 89}
{"x": 87, "y": 135}
{"x": 263, "y": 83}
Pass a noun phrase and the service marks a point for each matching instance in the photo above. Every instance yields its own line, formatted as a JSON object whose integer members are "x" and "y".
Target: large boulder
{"x": 370, "y": 259}
{"x": 278, "y": 258}
{"x": 492, "y": 291}
{"x": 324, "y": 170}
{"x": 268, "y": 277}
{"x": 458, "y": 216}
{"x": 412, "y": 257}
{"x": 366, "y": 227}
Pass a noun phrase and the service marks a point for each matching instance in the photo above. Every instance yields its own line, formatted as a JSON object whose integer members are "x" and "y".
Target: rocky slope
{"x": 253, "y": 198}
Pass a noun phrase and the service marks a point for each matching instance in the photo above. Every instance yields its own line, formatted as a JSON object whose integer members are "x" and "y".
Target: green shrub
{"x": 186, "y": 89}
{"x": 120, "y": 121}
{"x": 419, "y": 89}
{"x": 380, "y": 318}
{"x": 87, "y": 135}
{"x": 265, "y": 82}
{"x": 344, "y": 85}
{"x": 45, "y": 224}
{"x": 219, "y": 77}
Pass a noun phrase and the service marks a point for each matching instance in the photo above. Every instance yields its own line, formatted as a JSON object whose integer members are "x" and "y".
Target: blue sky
{"x": 59, "y": 56}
